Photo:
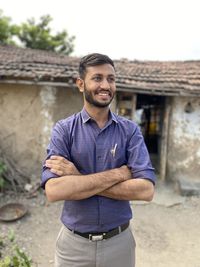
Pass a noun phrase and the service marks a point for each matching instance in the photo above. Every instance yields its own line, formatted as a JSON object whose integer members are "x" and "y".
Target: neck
{"x": 100, "y": 115}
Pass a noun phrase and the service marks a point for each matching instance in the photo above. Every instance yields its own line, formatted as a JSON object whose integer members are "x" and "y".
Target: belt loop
{"x": 119, "y": 229}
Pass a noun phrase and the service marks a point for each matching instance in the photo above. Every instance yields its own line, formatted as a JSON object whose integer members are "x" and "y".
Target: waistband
{"x": 103, "y": 235}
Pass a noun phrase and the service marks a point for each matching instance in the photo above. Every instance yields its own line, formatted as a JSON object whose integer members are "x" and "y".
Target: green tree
{"x": 7, "y": 30}
{"x": 39, "y": 36}
{"x": 35, "y": 35}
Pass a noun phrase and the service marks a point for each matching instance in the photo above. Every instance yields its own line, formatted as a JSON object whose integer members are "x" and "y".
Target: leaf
{"x": 11, "y": 235}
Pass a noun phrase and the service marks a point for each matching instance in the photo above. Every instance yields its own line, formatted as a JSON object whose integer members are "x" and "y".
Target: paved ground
{"x": 166, "y": 230}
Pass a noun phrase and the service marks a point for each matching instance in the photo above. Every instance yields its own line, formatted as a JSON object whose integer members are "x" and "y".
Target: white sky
{"x": 133, "y": 29}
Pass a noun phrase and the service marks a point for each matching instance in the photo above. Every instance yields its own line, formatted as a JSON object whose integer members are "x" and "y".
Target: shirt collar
{"x": 113, "y": 116}
{"x": 86, "y": 117}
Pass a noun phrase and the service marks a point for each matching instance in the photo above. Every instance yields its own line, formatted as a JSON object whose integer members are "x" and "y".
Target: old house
{"x": 37, "y": 88}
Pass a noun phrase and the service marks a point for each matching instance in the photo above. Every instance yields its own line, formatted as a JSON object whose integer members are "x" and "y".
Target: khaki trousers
{"x": 73, "y": 250}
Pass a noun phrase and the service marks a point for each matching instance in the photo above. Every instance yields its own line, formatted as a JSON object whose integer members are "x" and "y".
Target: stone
{"x": 188, "y": 187}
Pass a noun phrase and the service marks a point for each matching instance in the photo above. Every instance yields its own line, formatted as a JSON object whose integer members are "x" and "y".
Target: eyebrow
{"x": 100, "y": 74}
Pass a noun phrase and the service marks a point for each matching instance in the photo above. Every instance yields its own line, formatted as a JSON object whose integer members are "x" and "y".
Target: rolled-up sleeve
{"x": 59, "y": 146}
{"x": 138, "y": 157}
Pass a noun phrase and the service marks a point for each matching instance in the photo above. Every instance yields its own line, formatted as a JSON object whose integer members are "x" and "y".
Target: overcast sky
{"x": 133, "y": 29}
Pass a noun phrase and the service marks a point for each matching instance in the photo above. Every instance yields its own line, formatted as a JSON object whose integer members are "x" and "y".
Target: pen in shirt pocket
{"x": 113, "y": 150}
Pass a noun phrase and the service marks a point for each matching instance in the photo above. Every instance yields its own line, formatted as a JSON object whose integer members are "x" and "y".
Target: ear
{"x": 80, "y": 84}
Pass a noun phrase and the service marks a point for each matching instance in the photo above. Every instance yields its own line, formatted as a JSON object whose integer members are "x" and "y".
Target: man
{"x": 97, "y": 162}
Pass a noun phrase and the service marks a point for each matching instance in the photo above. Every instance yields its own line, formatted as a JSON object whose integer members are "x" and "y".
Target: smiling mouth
{"x": 104, "y": 96}
{"x": 104, "y": 93}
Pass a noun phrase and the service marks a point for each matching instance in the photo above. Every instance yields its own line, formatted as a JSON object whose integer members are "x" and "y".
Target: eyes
{"x": 99, "y": 78}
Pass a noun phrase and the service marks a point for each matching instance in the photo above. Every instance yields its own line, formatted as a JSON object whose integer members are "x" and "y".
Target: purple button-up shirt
{"x": 91, "y": 149}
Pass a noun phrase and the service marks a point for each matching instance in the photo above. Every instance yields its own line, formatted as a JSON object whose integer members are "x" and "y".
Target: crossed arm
{"x": 116, "y": 183}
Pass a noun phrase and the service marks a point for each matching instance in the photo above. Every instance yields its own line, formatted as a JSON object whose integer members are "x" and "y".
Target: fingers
{"x": 53, "y": 164}
{"x": 59, "y": 158}
{"x": 56, "y": 161}
{"x": 58, "y": 172}
{"x": 61, "y": 166}
{"x": 56, "y": 164}
{"x": 57, "y": 169}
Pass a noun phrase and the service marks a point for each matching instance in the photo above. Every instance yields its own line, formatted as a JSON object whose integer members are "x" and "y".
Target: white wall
{"x": 184, "y": 140}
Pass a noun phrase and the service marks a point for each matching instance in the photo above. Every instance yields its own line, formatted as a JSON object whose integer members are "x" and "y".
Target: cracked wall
{"x": 27, "y": 116}
{"x": 184, "y": 139}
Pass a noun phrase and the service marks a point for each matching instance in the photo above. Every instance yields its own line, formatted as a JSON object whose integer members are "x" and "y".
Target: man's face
{"x": 99, "y": 86}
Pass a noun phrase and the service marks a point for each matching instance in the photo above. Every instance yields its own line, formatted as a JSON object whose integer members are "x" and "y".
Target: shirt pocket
{"x": 117, "y": 156}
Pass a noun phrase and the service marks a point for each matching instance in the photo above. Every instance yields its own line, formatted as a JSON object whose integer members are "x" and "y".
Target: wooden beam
{"x": 47, "y": 83}
{"x": 133, "y": 106}
{"x": 164, "y": 139}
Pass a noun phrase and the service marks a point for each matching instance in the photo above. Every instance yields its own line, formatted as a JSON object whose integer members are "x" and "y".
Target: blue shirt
{"x": 91, "y": 149}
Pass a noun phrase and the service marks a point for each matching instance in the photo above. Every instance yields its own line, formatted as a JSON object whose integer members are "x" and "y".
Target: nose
{"x": 105, "y": 84}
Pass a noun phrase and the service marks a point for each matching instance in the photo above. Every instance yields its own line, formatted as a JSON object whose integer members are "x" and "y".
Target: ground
{"x": 166, "y": 230}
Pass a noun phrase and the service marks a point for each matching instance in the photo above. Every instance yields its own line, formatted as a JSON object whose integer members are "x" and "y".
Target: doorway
{"x": 149, "y": 112}
{"x": 149, "y": 116}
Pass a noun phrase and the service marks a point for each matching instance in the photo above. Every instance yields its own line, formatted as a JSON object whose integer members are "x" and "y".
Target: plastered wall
{"x": 184, "y": 139}
{"x": 27, "y": 116}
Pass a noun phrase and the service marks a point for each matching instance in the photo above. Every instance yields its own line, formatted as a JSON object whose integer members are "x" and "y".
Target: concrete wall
{"x": 69, "y": 101}
{"x": 27, "y": 116}
{"x": 184, "y": 139}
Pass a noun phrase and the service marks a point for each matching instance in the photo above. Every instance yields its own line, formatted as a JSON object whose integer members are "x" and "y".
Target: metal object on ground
{"x": 12, "y": 211}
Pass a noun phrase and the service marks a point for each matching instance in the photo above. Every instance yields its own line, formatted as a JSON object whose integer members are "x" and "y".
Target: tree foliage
{"x": 35, "y": 35}
{"x": 7, "y": 30}
{"x": 38, "y": 35}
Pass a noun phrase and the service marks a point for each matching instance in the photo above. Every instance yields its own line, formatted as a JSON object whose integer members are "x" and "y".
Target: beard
{"x": 91, "y": 100}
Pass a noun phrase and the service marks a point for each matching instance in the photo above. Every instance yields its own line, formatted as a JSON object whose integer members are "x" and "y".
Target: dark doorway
{"x": 149, "y": 116}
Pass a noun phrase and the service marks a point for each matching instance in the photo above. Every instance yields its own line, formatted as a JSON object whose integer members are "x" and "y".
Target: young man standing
{"x": 97, "y": 162}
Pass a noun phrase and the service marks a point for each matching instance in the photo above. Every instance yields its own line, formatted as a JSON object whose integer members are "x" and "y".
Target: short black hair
{"x": 93, "y": 59}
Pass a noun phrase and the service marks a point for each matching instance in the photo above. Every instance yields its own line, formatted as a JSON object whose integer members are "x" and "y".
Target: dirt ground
{"x": 166, "y": 230}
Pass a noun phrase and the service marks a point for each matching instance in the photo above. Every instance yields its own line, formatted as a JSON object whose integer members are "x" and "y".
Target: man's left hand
{"x": 61, "y": 166}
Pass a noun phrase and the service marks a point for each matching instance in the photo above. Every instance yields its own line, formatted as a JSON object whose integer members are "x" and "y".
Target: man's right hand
{"x": 61, "y": 166}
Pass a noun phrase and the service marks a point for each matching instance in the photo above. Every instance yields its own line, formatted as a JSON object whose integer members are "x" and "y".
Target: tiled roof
{"x": 152, "y": 77}
{"x": 35, "y": 65}
{"x": 169, "y": 77}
